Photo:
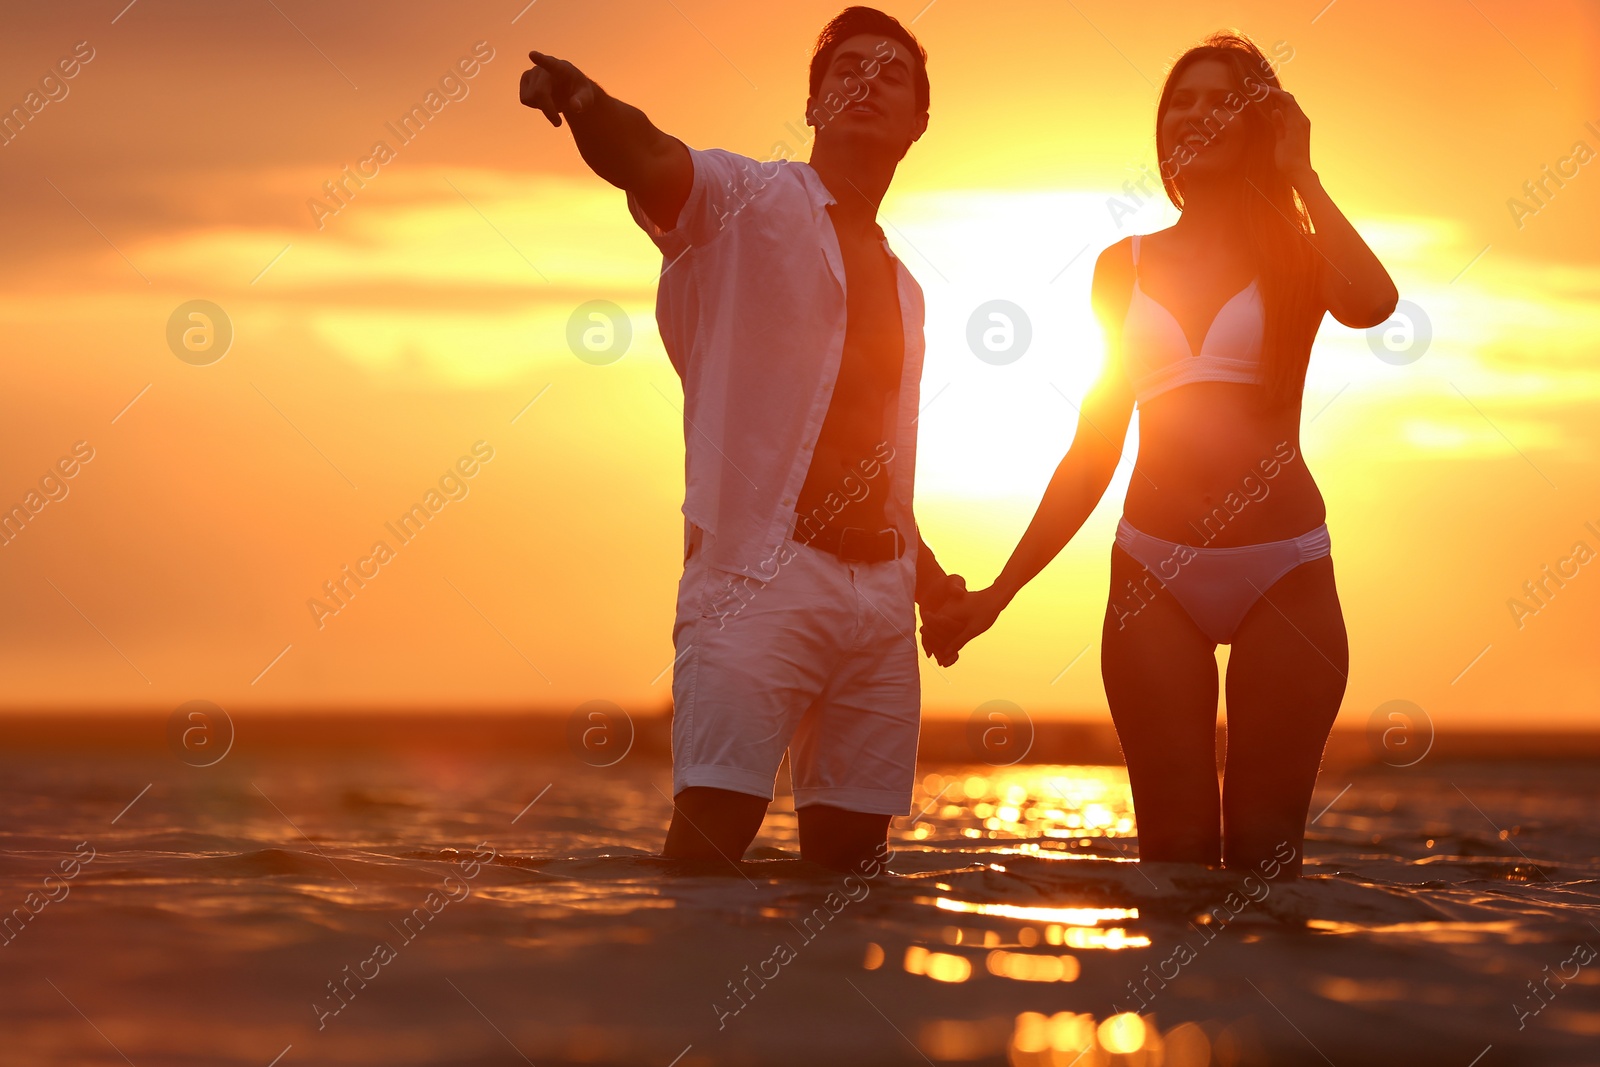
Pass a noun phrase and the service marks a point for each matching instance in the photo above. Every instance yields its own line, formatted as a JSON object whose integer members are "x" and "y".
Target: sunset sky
{"x": 374, "y": 346}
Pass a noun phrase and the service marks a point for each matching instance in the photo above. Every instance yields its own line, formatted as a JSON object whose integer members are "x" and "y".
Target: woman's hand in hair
{"x": 1292, "y": 130}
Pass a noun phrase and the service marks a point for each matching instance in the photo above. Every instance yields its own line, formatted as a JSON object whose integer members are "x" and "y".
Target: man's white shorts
{"x": 821, "y": 660}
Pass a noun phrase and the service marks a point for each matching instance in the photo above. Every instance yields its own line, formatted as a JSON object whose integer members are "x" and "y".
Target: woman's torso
{"x": 1216, "y": 466}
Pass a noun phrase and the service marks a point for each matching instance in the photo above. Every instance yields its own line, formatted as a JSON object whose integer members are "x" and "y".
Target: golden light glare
{"x": 940, "y": 966}
{"x": 1034, "y": 913}
{"x": 1124, "y": 1032}
{"x": 944, "y": 967}
{"x": 1028, "y": 967}
{"x": 1070, "y": 1032}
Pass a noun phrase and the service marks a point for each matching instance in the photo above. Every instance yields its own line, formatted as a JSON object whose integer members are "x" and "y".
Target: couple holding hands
{"x": 798, "y": 336}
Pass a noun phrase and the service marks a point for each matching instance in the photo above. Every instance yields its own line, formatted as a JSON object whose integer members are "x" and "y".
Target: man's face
{"x": 868, "y": 96}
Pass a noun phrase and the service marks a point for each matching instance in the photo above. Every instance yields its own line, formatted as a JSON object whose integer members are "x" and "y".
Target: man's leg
{"x": 710, "y": 823}
{"x": 854, "y": 755}
{"x": 843, "y": 840}
{"x": 750, "y": 657}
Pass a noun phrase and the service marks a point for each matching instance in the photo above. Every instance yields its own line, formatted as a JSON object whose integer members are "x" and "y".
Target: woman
{"x": 1209, "y": 327}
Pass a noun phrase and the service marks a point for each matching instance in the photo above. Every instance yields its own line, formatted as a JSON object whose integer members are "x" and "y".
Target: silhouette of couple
{"x": 799, "y": 339}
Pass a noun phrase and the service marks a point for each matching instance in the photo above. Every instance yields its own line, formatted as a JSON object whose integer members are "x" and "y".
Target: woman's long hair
{"x": 1276, "y": 221}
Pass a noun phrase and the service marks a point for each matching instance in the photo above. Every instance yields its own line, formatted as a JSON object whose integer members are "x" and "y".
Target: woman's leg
{"x": 1286, "y": 678}
{"x": 1160, "y": 676}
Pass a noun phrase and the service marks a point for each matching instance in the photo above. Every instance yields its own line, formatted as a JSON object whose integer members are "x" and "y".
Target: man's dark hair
{"x": 857, "y": 20}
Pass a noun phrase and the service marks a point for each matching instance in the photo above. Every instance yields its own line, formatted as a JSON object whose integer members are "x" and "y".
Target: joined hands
{"x": 957, "y": 618}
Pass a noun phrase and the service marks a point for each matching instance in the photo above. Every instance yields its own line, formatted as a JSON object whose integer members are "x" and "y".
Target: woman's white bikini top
{"x": 1158, "y": 356}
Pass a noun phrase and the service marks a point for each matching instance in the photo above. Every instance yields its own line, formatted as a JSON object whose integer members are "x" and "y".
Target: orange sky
{"x": 371, "y": 354}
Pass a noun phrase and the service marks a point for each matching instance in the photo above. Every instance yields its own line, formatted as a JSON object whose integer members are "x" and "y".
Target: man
{"x": 798, "y": 336}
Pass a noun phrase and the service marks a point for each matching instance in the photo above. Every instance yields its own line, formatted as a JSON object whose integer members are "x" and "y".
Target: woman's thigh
{"x": 1286, "y": 678}
{"x": 1160, "y": 675}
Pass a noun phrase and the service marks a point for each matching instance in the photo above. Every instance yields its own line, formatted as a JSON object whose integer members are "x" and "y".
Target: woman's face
{"x": 1202, "y": 133}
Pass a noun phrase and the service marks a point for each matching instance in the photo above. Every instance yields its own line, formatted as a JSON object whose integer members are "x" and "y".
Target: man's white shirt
{"x": 751, "y": 309}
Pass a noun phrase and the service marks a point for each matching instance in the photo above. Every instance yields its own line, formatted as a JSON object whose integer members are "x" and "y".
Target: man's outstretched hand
{"x": 556, "y": 87}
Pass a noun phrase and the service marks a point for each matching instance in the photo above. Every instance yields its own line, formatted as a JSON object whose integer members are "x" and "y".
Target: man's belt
{"x": 852, "y": 544}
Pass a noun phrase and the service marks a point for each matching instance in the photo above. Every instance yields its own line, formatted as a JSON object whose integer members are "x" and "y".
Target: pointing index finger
{"x": 552, "y": 64}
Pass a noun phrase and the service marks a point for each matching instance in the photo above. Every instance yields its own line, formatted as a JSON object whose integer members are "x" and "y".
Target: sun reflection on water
{"x": 1039, "y": 1040}
{"x": 1069, "y": 916}
{"x": 1042, "y": 804}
